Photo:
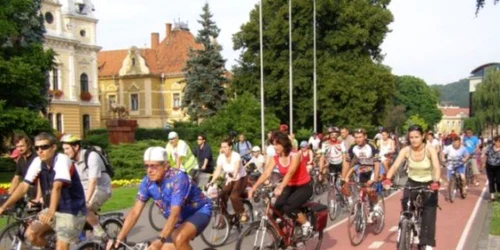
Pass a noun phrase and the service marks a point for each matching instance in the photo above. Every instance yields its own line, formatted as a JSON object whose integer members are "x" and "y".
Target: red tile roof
{"x": 169, "y": 57}
{"x": 454, "y": 111}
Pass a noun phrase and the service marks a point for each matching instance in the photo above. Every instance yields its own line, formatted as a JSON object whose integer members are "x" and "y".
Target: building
{"x": 71, "y": 33}
{"x": 148, "y": 82}
{"x": 477, "y": 76}
{"x": 452, "y": 120}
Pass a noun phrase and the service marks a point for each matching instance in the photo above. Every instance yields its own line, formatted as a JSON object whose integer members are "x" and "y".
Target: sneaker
{"x": 369, "y": 220}
{"x": 428, "y": 248}
{"x": 306, "y": 228}
{"x": 416, "y": 240}
{"x": 99, "y": 232}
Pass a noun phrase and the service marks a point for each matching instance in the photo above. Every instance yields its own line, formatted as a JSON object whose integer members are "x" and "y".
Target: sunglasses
{"x": 42, "y": 147}
{"x": 152, "y": 166}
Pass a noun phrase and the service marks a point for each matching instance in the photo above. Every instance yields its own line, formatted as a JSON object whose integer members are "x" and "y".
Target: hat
{"x": 14, "y": 154}
{"x": 283, "y": 128}
{"x": 172, "y": 135}
{"x": 256, "y": 149}
{"x": 155, "y": 154}
{"x": 303, "y": 144}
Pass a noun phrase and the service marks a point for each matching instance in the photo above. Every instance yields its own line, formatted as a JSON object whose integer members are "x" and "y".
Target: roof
{"x": 169, "y": 57}
{"x": 454, "y": 111}
{"x": 473, "y": 72}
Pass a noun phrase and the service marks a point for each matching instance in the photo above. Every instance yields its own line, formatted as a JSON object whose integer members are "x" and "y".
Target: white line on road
{"x": 463, "y": 237}
{"x": 376, "y": 245}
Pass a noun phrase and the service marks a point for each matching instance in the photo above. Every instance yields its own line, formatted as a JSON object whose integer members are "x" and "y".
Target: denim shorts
{"x": 199, "y": 220}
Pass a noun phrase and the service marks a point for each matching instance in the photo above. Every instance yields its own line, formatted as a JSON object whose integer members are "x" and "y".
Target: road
{"x": 454, "y": 224}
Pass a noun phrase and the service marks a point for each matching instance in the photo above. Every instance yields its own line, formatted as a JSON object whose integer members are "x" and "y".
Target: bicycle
{"x": 335, "y": 198}
{"x": 455, "y": 183}
{"x": 284, "y": 232}
{"x": 222, "y": 220}
{"x": 410, "y": 222}
{"x": 361, "y": 211}
{"x": 96, "y": 245}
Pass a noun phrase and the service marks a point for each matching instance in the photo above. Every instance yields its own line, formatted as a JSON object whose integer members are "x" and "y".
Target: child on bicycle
{"x": 457, "y": 156}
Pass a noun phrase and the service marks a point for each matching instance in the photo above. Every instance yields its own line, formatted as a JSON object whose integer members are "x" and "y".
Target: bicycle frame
{"x": 286, "y": 231}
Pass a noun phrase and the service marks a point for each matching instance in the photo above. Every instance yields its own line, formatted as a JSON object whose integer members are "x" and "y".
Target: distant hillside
{"x": 456, "y": 93}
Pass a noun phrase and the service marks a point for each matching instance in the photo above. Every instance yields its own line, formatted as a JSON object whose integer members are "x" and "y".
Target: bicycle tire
{"x": 320, "y": 241}
{"x": 156, "y": 224}
{"x": 452, "y": 189}
{"x": 90, "y": 245}
{"x": 274, "y": 244}
{"x": 247, "y": 205}
{"x": 214, "y": 223}
{"x": 10, "y": 233}
{"x": 106, "y": 226}
{"x": 405, "y": 234}
{"x": 357, "y": 218}
{"x": 333, "y": 206}
{"x": 379, "y": 227}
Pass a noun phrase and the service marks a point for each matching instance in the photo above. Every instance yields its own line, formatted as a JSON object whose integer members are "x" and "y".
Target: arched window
{"x": 84, "y": 83}
{"x": 86, "y": 124}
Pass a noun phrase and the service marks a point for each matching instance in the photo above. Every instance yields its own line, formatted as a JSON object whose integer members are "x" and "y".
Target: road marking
{"x": 344, "y": 220}
{"x": 393, "y": 229}
{"x": 463, "y": 237}
{"x": 376, "y": 245}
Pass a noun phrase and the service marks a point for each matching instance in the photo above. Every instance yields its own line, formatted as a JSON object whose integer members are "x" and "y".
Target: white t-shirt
{"x": 314, "y": 143}
{"x": 259, "y": 162}
{"x": 455, "y": 156}
{"x": 228, "y": 167}
{"x": 61, "y": 169}
{"x": 93, "y": 171}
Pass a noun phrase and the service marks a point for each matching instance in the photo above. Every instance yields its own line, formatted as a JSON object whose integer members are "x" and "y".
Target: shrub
{"x": 7, "y": 165}
{"x": 100, "y": 140}
{"x": 99, "y": 131}
{"x": 127, "y": 159}
{"x": 151, "y": 134}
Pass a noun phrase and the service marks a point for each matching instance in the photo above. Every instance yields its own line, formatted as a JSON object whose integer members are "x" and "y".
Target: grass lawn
{"x": 495, "y": 219}
{"x": 123, "y": 197}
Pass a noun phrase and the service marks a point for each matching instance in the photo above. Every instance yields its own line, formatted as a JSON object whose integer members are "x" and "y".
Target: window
{"x": 84, "y": 83}
{"x": 82, "y": 33}
{"x": 50, "y": 116}
{"x": 134, "y": 102}
{"x": 59, "y": 122}
{"x": 55, "y": 79}
{"x": 177, "y": 100}
{"x": 49, "y": 18}
{"x": 111, "y": 101}
{"x": 86, "y": 124}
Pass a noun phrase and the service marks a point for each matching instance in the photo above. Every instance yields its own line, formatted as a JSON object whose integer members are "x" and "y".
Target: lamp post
{"x": 162, "y": 103}
{"x": 290, "y": 59}
{"x": 262, "y": 136}
{"x": 314, "y": 73}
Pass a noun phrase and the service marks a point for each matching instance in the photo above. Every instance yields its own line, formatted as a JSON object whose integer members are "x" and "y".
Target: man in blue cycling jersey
{"x": 183, "y": 204}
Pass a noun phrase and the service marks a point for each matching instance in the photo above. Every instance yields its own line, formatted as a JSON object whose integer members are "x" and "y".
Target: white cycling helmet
{"x": 155, "y": 154}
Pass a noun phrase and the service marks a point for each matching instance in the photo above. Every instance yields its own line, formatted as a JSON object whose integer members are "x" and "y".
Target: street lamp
{"x": 314, "y": 73}
{"x": 261, "y": 79}
{"x": 290, "y": 67}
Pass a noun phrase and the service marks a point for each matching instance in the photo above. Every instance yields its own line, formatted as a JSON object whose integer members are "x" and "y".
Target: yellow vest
{"x": 188, "y": 162}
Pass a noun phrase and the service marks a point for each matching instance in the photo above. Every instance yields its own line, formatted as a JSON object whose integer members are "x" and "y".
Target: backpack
{"x": 104, "y": 157}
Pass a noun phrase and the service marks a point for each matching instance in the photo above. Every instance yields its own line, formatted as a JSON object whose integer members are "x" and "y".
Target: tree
{"x": 23, "y": 65}
{"x": 486, "y": 100}
{"x": 204, "y": 93}
{"x": 418, "y": 98}
{"x": 395, "y": 117}
{"x": 353, "y": 86}
{"x": 415, "y": 120}
{"x": 480, "y": 4}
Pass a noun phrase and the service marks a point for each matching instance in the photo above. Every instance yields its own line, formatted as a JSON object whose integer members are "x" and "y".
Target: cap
{"x": 283, "y": 128}
{"x": 14, "y": 154}
{"x": 303, "y": 144}
{"x": 256, "y": 149}
{"x": 172, "y": 135}
{"x": 155, "y": 154}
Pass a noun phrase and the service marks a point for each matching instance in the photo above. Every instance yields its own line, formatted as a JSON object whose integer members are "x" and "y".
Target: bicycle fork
{"x": 262, "y": 228}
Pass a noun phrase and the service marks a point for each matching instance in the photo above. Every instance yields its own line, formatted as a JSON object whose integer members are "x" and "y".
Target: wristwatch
{"x": 162, "y": 239}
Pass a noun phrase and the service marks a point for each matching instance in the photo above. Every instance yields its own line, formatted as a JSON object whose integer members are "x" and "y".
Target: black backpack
{"x": 104, "y": 157}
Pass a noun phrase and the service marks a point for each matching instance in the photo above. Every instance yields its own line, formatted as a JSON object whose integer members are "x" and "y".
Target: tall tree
{"x": 418, "y": 98}
{"x": 204, "y": 93}
{"x": 23, "y": 65}
{"x": 480, "y": 4}
{"x": 353, "y": 86}
{"x": 486, "y": 101}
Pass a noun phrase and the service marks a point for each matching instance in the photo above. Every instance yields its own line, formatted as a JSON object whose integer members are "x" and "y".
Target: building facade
{"x": 453, "y": 119}
{"x": 71, "y": 33}
{"x": 147, "y": 82}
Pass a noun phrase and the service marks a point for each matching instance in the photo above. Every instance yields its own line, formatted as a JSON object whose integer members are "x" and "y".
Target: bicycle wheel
{"x": 405, "y": 235}
{"x": 332, "y": 203}
{"x": 217, "y": 232}
{"x": 8, "y": 237}
{"x": 156, "y": 218}
{"x": 379, "y": 215}
{"x": 257, "y": 237}
{"x": 356, "y": 223}
{"x": 112, "y": 227}
{"x": 90, "y": 245}
{"x": 247, "y": 205}
{"x": 452, "y": 189}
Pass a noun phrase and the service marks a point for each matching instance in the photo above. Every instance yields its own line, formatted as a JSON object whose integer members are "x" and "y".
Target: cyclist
{"x": 24, "y": 148}
{"x": 364, "y": 160}
{"x": 256, "y": 163}
{"x": 386, "y": 148}
{"x": 295, "y": 188}
{"x": 183, "y": 204}
{"x": 456, "y": 156}
{"x": 472, "y": 143}
{"x": 307, "y": 155}
{"x": 243, "y": 147}
{"x": 333, "y": 153}
{"x": 229, "y": 164}
{"x": 180, "y": 156}
{"x": 423, "y": 170}
{"x": 62, "y": 191}
{"x": 95, "y": 180}
{"x": 347, "y": 138}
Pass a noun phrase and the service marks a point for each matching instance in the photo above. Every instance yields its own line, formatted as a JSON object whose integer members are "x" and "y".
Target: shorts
{"x": 460, "y": 170}
{"x": 200, "y": 222}
{"x": 473, "y": 166}
{"x": 335, "y": 168}
{"x": 365, "y": 177}
{"x": 67, "y": 226}
{"x": 97, "y": 200}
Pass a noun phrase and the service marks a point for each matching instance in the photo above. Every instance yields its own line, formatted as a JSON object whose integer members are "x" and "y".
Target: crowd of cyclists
{"x": 73, "y": 185}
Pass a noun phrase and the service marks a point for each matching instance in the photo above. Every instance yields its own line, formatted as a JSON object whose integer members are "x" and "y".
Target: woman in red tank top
{"x": 295, "y": 189}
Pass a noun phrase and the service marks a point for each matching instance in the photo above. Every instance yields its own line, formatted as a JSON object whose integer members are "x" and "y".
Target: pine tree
{"x": 204, "y": 93}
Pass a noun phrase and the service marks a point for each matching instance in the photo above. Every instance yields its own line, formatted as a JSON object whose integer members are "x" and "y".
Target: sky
{"x": 440, "y": 41}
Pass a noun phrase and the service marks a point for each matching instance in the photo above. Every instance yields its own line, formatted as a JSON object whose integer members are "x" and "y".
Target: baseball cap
{"x": 155, "y": 154}
{"x": 256, "y": 149}
{"x": 14, "y": 154}
{"x": 172, "y": 135}
{"x": 303, "y": 144}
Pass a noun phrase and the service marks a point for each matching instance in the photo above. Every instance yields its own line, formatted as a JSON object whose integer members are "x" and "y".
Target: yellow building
{"x": 71, "y": 33}
{"x": 452, "y": 120}
{"x": 148, "y": 82}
